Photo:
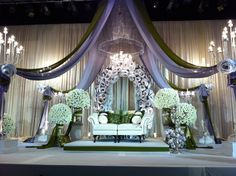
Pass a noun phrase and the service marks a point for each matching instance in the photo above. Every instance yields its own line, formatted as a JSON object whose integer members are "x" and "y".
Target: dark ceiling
{"x": 16, "y": 12}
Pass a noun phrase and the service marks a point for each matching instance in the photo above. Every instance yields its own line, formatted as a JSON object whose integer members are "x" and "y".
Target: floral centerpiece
{"x": 8, "y": 124}
{"x": 60, "y": 114}
{"x": 166, "y": 98}
{"x": 186, "y": 114}
{"x": 78, "y": 98}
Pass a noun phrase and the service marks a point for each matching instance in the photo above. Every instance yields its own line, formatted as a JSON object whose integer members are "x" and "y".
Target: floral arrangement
{"x": 166, "y": 98}
{"x": 186, "y": 114}
{"x": 175, "y": 139}
{"x": 78, "y": 98}
{"x": 60, "y": 114}
{"x": 8, "y": 124}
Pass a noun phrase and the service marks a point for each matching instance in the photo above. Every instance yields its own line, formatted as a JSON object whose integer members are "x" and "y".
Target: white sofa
{"x": 119, "y": 130}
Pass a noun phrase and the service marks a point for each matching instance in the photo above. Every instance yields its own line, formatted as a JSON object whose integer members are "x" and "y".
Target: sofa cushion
{"x": 102, "y": 119}
{"x": 105, "y": 127}
{"x": 138, "y": 113}
{"x": 129, "y": 127}
{"x": 136, "y": 119}
{"x": 103, "y": 114}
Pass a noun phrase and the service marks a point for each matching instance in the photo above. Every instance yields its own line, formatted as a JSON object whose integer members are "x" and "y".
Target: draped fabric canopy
{"x": 103, "y": 28}
{"x": 152, "y": 39}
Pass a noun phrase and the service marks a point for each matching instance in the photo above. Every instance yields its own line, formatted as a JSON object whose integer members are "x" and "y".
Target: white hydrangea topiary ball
{"x": 78, "y": 98}
{"x": 166, "y": 98}
{"x": 60, "y": 114}
{"x": 186, "y": 113}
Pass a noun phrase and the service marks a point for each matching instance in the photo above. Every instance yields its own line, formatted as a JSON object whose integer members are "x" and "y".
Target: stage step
{"x": 124, "y": 145}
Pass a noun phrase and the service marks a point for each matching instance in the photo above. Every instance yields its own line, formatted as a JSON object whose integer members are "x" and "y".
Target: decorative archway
{"x": 110, "y": 75}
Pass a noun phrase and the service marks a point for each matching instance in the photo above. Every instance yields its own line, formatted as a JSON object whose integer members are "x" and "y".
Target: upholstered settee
{"x": 138, "y": 126}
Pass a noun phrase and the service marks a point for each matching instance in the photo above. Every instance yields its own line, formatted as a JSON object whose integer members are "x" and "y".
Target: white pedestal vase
{"x": 234, "y": 149}
{"x": 76, "y": 131}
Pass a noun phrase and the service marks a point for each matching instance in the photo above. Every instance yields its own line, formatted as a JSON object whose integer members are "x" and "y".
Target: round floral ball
{"x": 60, "y": 114}
{"x": 166, "y": 98}
{"x": 78, "y": 98}
{"x": 8, "y": 124}
{"x": 186, "y": 113}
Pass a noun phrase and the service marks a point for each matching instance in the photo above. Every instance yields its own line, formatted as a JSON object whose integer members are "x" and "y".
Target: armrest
{"x": 147, "y": 119}
{"x": 93, "y": 119}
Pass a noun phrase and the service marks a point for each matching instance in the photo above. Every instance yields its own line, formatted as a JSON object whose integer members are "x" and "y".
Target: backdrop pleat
{"x": 46, "y": 44}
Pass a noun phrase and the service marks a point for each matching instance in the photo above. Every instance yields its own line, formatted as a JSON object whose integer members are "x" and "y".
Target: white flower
{"x": 78, "y": 98}
{"x": 60, "y": 114}
{"x": 8, "y": 124}
{"x": 166, "y": 98}
{"x": 186, "y": 113}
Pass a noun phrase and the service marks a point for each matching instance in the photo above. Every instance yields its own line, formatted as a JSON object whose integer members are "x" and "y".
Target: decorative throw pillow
{"x": 103, "y": 114}
{"x": 138, "y": 113}
{"x": 102, "y": 119}
{"x": 136, "y": 119}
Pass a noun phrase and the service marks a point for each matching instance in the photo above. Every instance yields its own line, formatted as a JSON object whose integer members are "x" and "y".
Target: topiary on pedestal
{"x": 59, "y": 115}
{"x": 77, "y": 100}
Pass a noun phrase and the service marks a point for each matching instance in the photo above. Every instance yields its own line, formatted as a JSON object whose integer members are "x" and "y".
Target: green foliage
{"x": 8, "y": 125}
{"x": 119, "y": 117}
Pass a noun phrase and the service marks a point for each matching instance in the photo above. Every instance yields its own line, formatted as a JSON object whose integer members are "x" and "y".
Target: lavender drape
{"x": 153, "y": 69}
{"x": 78, "y": 55}
{"x": 92, "y": 68}
{"x": 160, "y": 54}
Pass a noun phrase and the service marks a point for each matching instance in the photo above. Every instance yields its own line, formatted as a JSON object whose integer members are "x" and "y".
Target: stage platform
{"x": 60, "y": 162}
{"x": 148, "y": 145}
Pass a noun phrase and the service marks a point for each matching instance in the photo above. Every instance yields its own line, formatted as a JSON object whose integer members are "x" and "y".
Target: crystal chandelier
{"x": 122, "y": 62}
{"x": 10, "y": 51}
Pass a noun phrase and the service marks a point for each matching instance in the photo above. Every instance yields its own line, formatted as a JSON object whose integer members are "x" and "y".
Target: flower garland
{"x": 60, "y": 114}
{"x": 186, "y": 113}
{"x": 78, "y": 98}
{"x": 109, "y": 76}
{"x": 8, "y": 124}
{"x": 175, "y": 138}
{"x": 166, "y": 98}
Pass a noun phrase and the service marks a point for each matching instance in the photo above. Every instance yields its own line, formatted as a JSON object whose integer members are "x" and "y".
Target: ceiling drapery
{"x": 156, "y": 49}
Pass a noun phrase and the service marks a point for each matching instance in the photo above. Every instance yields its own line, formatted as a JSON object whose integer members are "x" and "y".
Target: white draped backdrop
{"x": 46, "y": 44}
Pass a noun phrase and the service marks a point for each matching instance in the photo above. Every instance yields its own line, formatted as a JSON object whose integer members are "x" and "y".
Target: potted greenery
{"x": 7, "y": 145}
{"x": 8, "y": 125}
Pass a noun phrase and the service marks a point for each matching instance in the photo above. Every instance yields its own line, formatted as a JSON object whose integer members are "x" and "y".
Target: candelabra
{"x": 187, "y": 95}
{"x": 10, "y": 51}
{"x": 225, "y": 53}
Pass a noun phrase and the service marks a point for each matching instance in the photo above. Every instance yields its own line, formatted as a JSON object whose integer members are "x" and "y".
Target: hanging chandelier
{"x": 122, "y": 62}
{"x": 10, "y": 51}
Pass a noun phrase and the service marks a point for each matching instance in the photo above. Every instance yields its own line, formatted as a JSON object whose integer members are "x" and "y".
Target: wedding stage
{"x": 56, "y": 161}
